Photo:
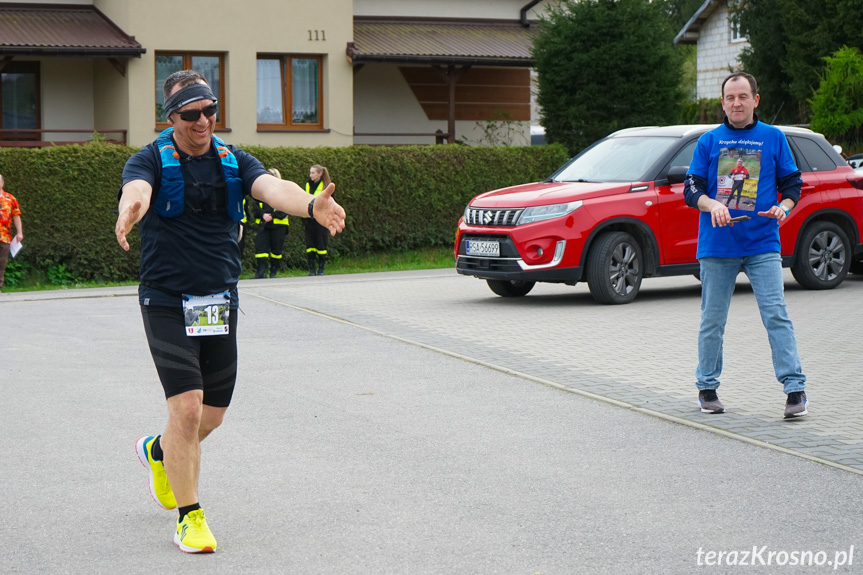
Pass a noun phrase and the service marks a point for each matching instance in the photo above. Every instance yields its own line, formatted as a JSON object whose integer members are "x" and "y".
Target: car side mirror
{"x": 676, "y": 174}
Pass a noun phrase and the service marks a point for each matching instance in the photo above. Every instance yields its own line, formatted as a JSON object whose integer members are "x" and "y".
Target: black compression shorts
{"x": 185, "y": 363}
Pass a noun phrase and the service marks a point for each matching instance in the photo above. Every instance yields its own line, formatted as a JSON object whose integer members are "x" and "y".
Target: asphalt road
{"x": 414, "y": 423}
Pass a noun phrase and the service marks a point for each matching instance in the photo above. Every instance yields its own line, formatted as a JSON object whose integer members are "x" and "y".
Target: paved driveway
{"x": 416, "y": 423}
{"x": 642, "y": 355}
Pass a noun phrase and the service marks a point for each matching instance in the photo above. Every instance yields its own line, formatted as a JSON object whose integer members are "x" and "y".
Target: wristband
{"x": 312, "y": 208}
{"x": 783, "y": 208}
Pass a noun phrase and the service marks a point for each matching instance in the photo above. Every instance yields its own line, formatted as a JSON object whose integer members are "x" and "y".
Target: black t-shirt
{"x": 196, "y": 252}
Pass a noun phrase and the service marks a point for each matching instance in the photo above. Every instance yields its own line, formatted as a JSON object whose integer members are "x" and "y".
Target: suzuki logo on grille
{"x": 486, "y": 217}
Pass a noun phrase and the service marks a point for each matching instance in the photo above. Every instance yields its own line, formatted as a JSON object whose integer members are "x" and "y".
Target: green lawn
{"x": 429, "y": 258}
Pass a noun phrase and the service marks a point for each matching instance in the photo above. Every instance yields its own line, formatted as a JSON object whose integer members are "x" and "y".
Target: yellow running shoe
{"x": 193, "y": 535}
{"x": 160, "y": 488}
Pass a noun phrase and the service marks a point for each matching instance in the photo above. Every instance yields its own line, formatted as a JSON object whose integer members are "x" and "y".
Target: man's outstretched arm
{"x": 290, "y": 198}
{"x": 134, "y": 203}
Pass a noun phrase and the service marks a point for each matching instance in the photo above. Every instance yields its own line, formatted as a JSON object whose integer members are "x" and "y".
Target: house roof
{"x": 62, "y": 30}
{"x": 692, "y": 30}
{"x": 441, "y": 41}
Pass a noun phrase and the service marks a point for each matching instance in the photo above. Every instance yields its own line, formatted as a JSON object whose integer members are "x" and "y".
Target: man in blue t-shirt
{"x": 727, "y": 245}
{"x": 186, "y": 192}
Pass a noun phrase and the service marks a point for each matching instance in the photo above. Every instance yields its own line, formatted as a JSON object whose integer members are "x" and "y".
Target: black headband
{"x": 191, "y": 93}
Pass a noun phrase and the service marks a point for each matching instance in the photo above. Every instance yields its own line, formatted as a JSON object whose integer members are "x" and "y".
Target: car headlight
{"x": 540, "y": 213}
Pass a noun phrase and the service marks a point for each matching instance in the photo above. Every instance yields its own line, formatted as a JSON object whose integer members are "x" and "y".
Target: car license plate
{"x": 483, "y": 248}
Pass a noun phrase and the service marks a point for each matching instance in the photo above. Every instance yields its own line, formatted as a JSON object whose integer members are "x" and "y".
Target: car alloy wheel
{"x": 614, "y": 268}
{"x": 823, "y": 257}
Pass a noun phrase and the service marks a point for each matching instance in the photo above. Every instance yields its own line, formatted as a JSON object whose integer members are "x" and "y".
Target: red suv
{"x": 615, "y": 214}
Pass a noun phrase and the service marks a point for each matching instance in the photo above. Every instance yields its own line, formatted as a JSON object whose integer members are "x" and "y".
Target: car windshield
{"x": 620, "y": 159}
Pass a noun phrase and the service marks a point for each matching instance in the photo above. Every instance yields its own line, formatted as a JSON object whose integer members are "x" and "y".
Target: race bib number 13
{"x": 207, "y": 314}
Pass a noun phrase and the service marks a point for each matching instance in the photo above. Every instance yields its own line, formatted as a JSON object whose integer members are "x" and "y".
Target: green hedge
{"x": 396, "y": 198}
{"x": 703, "y": 111}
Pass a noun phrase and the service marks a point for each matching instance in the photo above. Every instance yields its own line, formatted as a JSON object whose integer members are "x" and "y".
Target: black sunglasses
{"x": 193, "y": 115}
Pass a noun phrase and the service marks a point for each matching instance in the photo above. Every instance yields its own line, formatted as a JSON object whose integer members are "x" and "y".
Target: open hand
{"x": 125, "y": 221}
{"x": 774, "y": 212}
{"x": 327, "y": 212}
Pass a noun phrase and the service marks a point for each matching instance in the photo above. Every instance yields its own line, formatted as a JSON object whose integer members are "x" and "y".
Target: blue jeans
{"x": 718, "y": 276}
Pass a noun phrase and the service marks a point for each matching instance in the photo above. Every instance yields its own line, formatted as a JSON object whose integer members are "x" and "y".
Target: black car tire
{"x": 507, "y": 288}
{"x": 823, "y": 257}
{"x": 614, "y": 268}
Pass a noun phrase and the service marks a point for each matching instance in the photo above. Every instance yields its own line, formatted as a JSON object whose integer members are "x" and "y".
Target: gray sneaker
{"x": 796, "y": 404}
{"x": 710, "y": 401}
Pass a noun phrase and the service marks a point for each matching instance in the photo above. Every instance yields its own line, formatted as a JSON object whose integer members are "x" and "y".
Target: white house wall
{"x": 110, "y": 98}
{"x": 717, "y": 54}
{"x": 383, "y": 102}
{"x": 67, "y": 97}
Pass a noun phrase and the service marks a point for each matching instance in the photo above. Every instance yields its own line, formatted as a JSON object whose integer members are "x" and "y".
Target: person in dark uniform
{"x": 185, "y": 191}
{"x": 246, "y": 224}
{"x": 272, "y": 231}
{"x": 317, "y": 236}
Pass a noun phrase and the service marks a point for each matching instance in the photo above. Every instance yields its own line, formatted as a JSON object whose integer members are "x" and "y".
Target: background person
{"x": 270, "y": 239}
{"x": 725, "y": 248}
{"x": 316, "y": 235}
{"x": 10, "y": 213}
{"x": 185, "y": 191}
{"x": 246, "y": 224}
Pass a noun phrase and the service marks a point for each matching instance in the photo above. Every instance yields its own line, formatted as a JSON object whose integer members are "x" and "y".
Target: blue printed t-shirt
{"x": 766, "y": 156}
{"x": 196, "y": 252}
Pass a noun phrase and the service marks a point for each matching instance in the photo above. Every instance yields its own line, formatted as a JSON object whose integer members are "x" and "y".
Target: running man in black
{"x": 186, "y": 191}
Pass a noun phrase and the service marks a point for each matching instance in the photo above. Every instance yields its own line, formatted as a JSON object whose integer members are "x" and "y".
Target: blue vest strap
{"x": 169, "y": 201}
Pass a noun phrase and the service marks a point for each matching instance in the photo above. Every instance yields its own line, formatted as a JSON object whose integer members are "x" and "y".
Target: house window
{"x": 736, "y": 36}
{"x": 290, "y": 92}
{"x": 210, "y": 66}
{"x": 19, "y": 100}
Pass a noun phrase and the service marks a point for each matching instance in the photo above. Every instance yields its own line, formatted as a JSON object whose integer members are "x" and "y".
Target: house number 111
{"x": 317, "y": 35}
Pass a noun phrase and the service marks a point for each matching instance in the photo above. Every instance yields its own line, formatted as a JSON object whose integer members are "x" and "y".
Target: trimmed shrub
{"x": 396, "y": 198}
{"x": 703, "y": 111}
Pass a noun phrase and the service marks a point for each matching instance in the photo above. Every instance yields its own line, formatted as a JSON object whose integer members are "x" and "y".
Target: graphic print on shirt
{"x": 737, "y": 185}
